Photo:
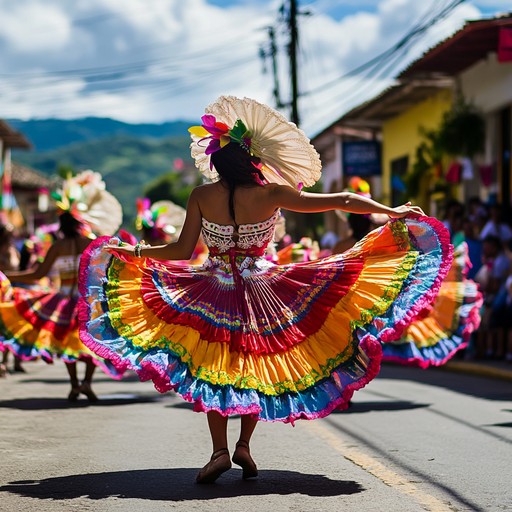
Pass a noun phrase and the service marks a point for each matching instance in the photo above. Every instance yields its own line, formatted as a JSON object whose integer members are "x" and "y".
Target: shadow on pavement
{"x": 127, "y": 377}
{"x": 58, "y": 381}
{"x": 179, "y": 485}
{"x": 40, "y": 404}
{"x": 475, "y": 385}
{"x": 181, "y": 405}
{"x": 399, "y": 405}
{"x": 508, "y": 425}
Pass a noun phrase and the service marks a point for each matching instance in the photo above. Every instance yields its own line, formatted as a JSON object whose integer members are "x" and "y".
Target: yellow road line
{"x": 377, "y": 469}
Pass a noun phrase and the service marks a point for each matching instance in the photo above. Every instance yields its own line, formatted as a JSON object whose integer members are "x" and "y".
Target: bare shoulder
{"x": 84, "y": 243}
{"x": 204, "y": 191}
{"x": 70, "y": 246}
{"x": 208, "y": 193}
{"x": 275, "y": 188}
{"x": 281, "y": 192}
{"x": 59, "y": 246}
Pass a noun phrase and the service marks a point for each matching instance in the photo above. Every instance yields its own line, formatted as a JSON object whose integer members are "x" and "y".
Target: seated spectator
{"x": 454, "y": 212}
{"x": 501, "y": 315}
{"x": 329, "y": 240}
{"x": 495, "y": 226}
{"x": 477, "y": 212}
{"x": 470, "y": 231}
{"x": 493, "y": 273}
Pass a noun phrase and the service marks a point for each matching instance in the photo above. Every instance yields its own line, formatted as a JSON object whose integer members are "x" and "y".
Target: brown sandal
{"x": 73, "y": 394}
{"x": 219, "y": 463}
{"x": 242, "y": 457}
{"x": 86, "y": 389}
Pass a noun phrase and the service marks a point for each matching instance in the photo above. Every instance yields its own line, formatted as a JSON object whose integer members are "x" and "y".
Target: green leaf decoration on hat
{"x": 239, "y": 132}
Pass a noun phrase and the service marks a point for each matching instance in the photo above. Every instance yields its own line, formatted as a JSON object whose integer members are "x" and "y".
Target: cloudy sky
{"x": 160, "y": 60}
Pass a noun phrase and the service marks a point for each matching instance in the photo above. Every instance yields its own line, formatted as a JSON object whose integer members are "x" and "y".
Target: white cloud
{"x": 359, "y": 38}
{"x": 167, "y": 59}
{"x": 32, "y": 27}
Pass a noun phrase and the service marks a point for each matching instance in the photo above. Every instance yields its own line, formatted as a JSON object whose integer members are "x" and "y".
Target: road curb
{"x": 479, "y": 369}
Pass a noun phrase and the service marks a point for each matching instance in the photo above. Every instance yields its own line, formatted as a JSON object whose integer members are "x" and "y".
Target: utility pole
{"x": 272, "y": 53}
{"x": 288, "y": 14}
{"x": 292, "y": 50}
{"x": 275, "y": 74}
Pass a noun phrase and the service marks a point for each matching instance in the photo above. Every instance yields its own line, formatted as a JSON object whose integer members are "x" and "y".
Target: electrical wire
{"x": 388, "y": 63}
{"x": 417, "y": 31}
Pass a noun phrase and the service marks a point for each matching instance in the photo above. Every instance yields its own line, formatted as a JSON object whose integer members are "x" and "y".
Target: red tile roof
{"x": 466, "y": 47}
{"x": 28, "y": 178}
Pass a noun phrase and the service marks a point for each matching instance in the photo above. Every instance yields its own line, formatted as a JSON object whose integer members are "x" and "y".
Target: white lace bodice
{"x": 221, "y": 237}
{"x": 66, "y": 264}
{"x": 66, "y": 268}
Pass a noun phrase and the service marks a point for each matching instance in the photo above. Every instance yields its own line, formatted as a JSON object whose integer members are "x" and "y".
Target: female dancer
{"x": 240, "y": 335}
{"x": 433, "y": 339}
{"x": 29, "y": 323}
{"x": 42, "y": 322}
{"x": 9, "y": 260}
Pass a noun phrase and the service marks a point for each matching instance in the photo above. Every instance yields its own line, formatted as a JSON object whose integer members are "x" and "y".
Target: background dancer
{"x": 42, "y": 322}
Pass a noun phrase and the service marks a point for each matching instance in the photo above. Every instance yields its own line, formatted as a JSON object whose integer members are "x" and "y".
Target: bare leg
{"x": 247, "y": 426}
{"x": 75, "y": 388}
{"x": 3, "y": 364}
{"x": 71, "y": 368}
{"x": 218, "y": 426}
{"x": 242, "y": 455}
{"x": 220, "y": 461}
{"x": 17, "y": 365}
{"x": 90, "y": 368}
{"x": 85, "y": 388}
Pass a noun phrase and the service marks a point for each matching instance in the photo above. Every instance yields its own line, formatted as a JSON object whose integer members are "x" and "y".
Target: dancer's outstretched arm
{"x": 182, "y": 249}
{"x": 38, "y": 272}
{"x": 291, "y": 199}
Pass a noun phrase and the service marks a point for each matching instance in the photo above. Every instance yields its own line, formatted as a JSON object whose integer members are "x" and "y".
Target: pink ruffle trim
{"x": 423, "y": 305}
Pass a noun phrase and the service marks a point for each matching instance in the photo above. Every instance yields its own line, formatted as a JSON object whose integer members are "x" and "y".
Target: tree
{"x": 170, "y": 187}
{"x": 460, "y": 133}
{"x": 462, "y": 130}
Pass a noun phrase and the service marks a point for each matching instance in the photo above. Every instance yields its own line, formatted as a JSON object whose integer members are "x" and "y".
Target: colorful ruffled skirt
{"x": 39, "y": 322}
{"x": 447, "y": 326}
{"x": 241, "y": 335}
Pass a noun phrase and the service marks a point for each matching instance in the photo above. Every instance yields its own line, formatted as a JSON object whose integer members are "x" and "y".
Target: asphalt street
{"x": 413, "y": 440}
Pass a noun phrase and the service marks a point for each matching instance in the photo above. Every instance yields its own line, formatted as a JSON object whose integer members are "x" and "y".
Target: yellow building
{"x": 401, "y": 137}
{"x": 476, "y": 62}
{"x": 401, "y": 114}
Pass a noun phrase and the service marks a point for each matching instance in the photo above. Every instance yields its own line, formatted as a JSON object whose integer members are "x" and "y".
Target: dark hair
{"x": 236, "y": 167}
{"x": 360, "y": 225}
{"x": 494, "y": 241}
{"x": 452, "y": 205}
{"x": 5, "y": 234}
{"x": 69, "y": 226}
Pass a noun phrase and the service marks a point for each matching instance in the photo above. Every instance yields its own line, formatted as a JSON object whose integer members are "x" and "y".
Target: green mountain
{"x": 128, "y": 163}
{"x": 46, "y": 134}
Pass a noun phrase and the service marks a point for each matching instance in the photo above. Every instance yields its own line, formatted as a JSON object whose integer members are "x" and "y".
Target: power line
{"x": 387, "y": 62}
{"x": 417, "y": 31}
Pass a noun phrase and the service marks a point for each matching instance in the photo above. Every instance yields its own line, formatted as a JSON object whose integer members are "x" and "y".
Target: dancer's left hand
{"x": 406, "y": 210}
